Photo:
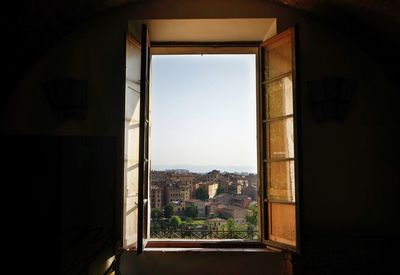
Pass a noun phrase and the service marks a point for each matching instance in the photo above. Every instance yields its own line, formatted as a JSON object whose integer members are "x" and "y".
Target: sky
{"x": 203, "y": 112}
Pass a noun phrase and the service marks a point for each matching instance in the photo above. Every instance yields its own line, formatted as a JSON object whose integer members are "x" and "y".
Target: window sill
{"x": 207, "y": 246}
{"x": 176, "y": 249}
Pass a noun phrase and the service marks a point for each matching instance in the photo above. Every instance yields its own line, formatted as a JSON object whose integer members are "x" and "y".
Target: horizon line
{"x": 222, "y": 171}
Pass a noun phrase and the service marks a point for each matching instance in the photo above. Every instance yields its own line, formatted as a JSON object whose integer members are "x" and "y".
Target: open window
{"x": 136, "y": 142}
{"x": 131, "y": 144}
{"x": 276, "y": 132}
{"x": 278, "y": 142}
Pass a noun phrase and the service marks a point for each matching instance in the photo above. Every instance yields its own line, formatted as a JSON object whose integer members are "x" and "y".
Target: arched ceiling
{"x": 35, "y": 25}
{"x": 374, "y": 25}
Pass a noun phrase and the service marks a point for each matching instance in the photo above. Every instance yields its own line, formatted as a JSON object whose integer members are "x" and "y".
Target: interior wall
{"x": 350, "y": 177}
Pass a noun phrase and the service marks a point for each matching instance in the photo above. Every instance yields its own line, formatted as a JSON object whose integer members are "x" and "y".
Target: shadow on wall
{"x": 65, "y": 189}
{"x": 330, "y": 97}
{"x": 67, "y": 98}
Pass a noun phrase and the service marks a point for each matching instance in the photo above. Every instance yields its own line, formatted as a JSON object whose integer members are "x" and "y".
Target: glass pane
{"x": 133, "y": 61}
{"x": 281, "y": 181}
{"x": 282, "y": 227}
{"x": 146, "y": 141}
{"x": 146, "y": 180}
{"x": 130, "y": 228}
{"x": 279, "y": 57}
{"x": 131, "y": 142}
{"x": 132, "y": 180}
{"x": 132, "y": 108}
{"x": 280, "y": 97}
{"x": 281, "y": 139}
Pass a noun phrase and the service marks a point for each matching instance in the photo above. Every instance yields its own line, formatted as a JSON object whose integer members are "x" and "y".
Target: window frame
{"x": 263, "y": 244}
{"x": 293, "y": 33}
{"x": 187, "y": 48}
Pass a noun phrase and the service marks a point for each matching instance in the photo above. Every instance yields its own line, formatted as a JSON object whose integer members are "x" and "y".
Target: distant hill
{"x": 206, "y": 168}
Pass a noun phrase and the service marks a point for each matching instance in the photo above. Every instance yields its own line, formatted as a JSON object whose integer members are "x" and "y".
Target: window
{"x": 277, "y": 147}
{"x": 204, "y": 139}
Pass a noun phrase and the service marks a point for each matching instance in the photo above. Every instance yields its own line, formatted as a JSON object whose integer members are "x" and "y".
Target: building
{"x": 173, "y": 194}
{"x": 250, "y": 191}
{"x": 184, "y": 192}
{"x": 201, "y": 206}
{"x": 176, "y": 192}
{"x": 236, "y": 186}
{"x": 224, "y": 198}
{"x": 179, "y": 207}
{"x": 243, "y": 182}
{"x": 211, "y": 188}
{"x": 194, "y": 187}
{"x": 223, "y": 182}
{"x": 177, "y": 171}
{"x": 157, "y": 176}
{"x": 211, "y": 209}
{"x": 217, "y": 224}
{"x": 241, "y": 201}
{"x": 237, "y": 213}
{"x": 182, "y": 178}
{"x": 253, "y": 179}
{"x": 212, "y": 176}
{"x": 156, "y": 197}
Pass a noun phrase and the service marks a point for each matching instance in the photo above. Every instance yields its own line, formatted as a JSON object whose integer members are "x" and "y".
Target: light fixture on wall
{"x": 330, "y": 97}
{"x": 67, "y": 98}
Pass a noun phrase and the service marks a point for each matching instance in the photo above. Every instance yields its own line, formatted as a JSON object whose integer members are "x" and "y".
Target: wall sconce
{"x": 330, "y": 97}
{"x": 67, "y": 98}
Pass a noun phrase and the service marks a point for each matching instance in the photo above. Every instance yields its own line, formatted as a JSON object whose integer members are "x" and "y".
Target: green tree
{"x": 191, "y": 211}
{"x": 231, "y": 225}
{"x": 156, "y": 213}
{"x": 168, "y": 211}
{"x": 220, "y": 190}
{"x": 175, "y": 221}
{"x": 252, "y": 219}
{"x": 201, "y": 194}
{"x": 211, "y": 216}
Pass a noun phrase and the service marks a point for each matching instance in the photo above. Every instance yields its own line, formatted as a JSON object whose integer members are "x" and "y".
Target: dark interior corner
{"x": 62, "y": 169}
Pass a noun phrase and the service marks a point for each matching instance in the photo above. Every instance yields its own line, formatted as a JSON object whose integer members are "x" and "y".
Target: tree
{"x": 201, "y": 194}
{"x": 191, "y": 211}
{"x": 252, "y": 219}
{"x": 231, "y": 225}
{"x": 156, "y": 213}
{"x": 212, "y": 216}
{"x": 220, "y": 190}
{"x": 175, "y": 221}
{"x": 168, "y": 211}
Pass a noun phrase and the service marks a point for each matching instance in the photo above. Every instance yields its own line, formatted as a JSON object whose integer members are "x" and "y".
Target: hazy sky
{"x": 204, "y": 112}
